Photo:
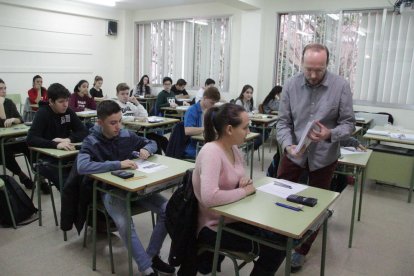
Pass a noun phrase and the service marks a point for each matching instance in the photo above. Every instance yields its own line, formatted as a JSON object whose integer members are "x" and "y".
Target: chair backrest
{"x": 17, "y": 99}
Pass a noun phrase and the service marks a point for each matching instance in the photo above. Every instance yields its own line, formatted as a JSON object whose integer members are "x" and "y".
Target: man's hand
{"x": 144, "y": 154}
{"x": 186, "y": 103}
{"x": 9, "y": 122}
{"x": 128, "y": 164}
{"x": 173, "y": 105}
{"x": 60, "y": 140}
{"x": 244, "y": 181}
{"x": 66, "y": 146}
{"x": 291, "y": 151}
{"x": 324, "y": 133}
{"x": 249, "y": 189}
{"x": 361, "y": 148}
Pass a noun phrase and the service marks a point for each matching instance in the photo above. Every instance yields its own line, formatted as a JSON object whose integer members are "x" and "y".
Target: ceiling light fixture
{"x": 109, "y": 3}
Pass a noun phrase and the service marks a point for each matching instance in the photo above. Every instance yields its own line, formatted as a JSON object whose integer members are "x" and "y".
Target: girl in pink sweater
{"x": 218, "y": 179}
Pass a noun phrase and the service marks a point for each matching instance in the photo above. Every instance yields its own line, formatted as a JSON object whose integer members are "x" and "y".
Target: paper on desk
{"x": 155, "y": 119}
{"x": 402, "y": 136}
{"x": 183, "y": 107}
{"x": 280, "y": 191}
{"x": 378, "y": 132}
{"x": 149, "y": 167}
{"x": 350, "y": 150}
{"x": 86, "y": 112}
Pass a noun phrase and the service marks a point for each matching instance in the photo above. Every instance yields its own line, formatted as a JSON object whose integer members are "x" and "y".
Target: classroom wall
{"x": 62, "y": 42}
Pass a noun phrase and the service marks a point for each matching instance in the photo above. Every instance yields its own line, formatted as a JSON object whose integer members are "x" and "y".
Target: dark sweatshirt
{"x": 11, "y": 111}
{"x": 48, "y": 125}
{"x": 100, "y": 154}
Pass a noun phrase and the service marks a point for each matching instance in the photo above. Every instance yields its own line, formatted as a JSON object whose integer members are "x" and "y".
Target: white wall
{"x": 62, "y": 42}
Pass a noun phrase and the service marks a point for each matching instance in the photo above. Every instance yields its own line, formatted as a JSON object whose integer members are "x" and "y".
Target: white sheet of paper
{"x": 149, "y": 167}
{"x": 155, "y": 119}
{"x": 87, "y": 112}
{"x": 350, "y": 150}
{"x": 284, "y": 192}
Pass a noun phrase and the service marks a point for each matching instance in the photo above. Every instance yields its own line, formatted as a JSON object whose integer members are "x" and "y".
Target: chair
{"x": 17, "y": 99}
{"x": 136, "y": 210}
{"x": 244, "y": 257}
{"x": 3, "y": 187}
{"x": 28, "y": 112}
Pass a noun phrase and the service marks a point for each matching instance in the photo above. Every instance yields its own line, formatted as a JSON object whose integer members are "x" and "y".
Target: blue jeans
{"x": 156, "y": 203}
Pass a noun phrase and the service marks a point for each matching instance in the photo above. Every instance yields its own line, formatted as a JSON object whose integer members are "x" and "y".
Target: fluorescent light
{"x": 110, "y": 3}
{"x": 333, "y": 16}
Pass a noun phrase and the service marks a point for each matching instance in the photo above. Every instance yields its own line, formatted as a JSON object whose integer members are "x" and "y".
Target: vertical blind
{"x": 373, "y": 50}
{"x": 192, "y": 49}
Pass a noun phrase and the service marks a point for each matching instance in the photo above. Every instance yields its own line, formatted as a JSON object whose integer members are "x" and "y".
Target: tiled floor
{"x": 383, "y": 241}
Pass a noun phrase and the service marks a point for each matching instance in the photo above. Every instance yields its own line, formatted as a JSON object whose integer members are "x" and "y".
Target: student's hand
{"x": 249, "y": 189}
{"x": 9, "y": 122}
{"x": 186, "y": 103}
{"x": 128, "y": 164}
{"x": 66, "y": 146}
{"x": 173, "y": 105}
{"x": 323, "y": 134}
{"x": 244, "y": 181}
{"x": 60, "y": 140}
{"x": 291, "y": 151}
{"x": 133, "y": 100}
{"x": 361, "y": 148}
{"x": 144, "y": 154}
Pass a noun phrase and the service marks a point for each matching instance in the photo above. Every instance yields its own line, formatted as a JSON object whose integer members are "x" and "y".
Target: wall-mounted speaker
{"x": 112, "y": 28}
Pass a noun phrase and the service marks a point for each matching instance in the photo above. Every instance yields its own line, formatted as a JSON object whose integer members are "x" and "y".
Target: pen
{"x": 297, "y": 209}
{"x": 282, "y": 185}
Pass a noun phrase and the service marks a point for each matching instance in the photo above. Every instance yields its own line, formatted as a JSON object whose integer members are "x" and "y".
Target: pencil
{"x": 135, "y": 178}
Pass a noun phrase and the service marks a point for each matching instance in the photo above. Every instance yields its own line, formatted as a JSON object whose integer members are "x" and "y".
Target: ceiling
{"x": 152, "y": 4}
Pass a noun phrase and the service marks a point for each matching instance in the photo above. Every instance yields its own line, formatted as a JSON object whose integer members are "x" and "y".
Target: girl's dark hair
{"x": 247, "y": 86}
{"x": 217, "y": 118}
{"x": 141, "y": 81}
{"x": 35, "y": 78}
{"x": 2, "y": 81}
{"x": 97, "y": 78}
{"x": 271, "y": 96}
{"x": 76, "y": 89}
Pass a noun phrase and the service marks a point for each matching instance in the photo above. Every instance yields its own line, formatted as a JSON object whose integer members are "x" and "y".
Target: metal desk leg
{"x": 65, "y": 237}
{"x": 94, "y": 195}
{"x": 3, "y": 156}
{"x": 351, "y": 230}
{"x": 39, "y": 199}
{"x": 263, "y": 141}
{"x": 289, "y": 245}
{"x": 129, "y": 216}
{"x": 217, "y": 246}
{"x": 410, "y": 192}
{"x": 324, "y": 236}
{"x": 251, "y": 158}
{"x": 361, "y": 191}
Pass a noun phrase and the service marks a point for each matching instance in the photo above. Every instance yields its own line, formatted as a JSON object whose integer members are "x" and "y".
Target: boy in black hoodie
{"x": 55, "y": 126}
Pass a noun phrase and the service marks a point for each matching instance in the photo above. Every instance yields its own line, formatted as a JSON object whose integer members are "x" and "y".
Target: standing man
{"x": 319, "y": 95}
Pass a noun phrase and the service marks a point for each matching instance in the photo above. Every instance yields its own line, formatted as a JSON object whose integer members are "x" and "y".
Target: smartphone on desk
{"x": 123, "y": 174}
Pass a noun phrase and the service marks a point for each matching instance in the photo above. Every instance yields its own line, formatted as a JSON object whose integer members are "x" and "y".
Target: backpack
{"x": 21, "y": 205}
{"x": 181, "y": 222}
{"x": 274, "y": 166}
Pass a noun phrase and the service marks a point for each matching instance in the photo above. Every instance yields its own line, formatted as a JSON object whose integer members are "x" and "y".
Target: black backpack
{"x": 274, "y": 166}
{"x": 181, "y": 222}
{"x": 21, "y": 204}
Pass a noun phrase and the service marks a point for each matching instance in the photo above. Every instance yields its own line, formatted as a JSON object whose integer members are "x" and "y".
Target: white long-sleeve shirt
{"x": 130, "y": 109}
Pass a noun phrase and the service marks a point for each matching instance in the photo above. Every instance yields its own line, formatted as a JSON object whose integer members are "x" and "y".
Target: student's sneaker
{"x": 45, "y": 187}
{"x": 297, "y": 262}
{"x": 160, "y": 266}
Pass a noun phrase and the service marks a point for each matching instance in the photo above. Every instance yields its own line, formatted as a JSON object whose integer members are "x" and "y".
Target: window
{"x": 373, "y": 50}
{"x": 192, "y": 49}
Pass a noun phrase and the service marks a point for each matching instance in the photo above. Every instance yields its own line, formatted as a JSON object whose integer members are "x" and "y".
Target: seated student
{"x": 109, "y": 148}
{"x": 9, "y": 116}
{"x": 80, "y": 99}
{"x": 221, "y": 180}
{"x": 245, "y": 100}
{"x": 131, "y": 109}
{"x": 55, "y": 126}
{"x": 271, "y": 102}
{"x": 193, "y": 119}
{"x": 166, "y": 98}
{"x": 142, "y": 88}
{"x": 37, "y": 93}
{"x": 208, "y": 83}
{"x": 96, "y": 90}
{"x": 179, "y": 89}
